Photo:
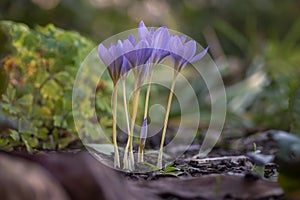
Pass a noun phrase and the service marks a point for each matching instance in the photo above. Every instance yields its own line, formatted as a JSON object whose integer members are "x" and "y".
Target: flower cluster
{"x": 141, "y": 55}
{"x": 153, "y": 46}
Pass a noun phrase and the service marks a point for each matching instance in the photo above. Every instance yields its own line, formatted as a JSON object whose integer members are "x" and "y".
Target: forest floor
{"x": 227, "y": 173}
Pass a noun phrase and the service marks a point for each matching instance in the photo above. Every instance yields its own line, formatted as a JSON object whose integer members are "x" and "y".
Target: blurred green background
{"x": 254, "y": 43}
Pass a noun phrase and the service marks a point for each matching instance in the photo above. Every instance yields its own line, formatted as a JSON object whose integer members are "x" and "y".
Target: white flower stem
{"x": 142, "y": 141}
{"x": 125, "y": 159}
{"x": 116, "y": 151}
{"x": 129, "y": 147}
{"x": 160, "y": 154}
{"x": 136, "y": 95}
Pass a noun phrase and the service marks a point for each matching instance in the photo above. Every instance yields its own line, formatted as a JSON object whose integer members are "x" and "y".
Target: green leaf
{"x": 51, "y": 90}
{"x": 64, "y": 77}
{"x": 5, "y": 98}
{"x": 26, "y": 100}
{"x": 14, "y": 135}
{"x": 30, "y": 40}
{"x": 30, "y": 142}
{"x": 43, "y": 133}
{"x": 41, "y": 76}
{"x": 64, "y": 142}
{"x": 11, "y": 93}
{"x": 170, "y": 168}
{"x": 58, "y": 119}
{"x": 4, "y": 144}
{"x": 42, "y": 113}
{"x": 173, "y": 170}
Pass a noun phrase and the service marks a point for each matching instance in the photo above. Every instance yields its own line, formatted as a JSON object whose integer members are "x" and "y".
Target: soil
{"x": 226, "y": 173}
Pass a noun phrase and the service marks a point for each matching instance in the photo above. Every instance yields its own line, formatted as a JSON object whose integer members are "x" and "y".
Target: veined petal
{"x": 161, "y": 38}
{"x": 200, "y": 55}
{"x": 125, "y": 67}
{"x": 143, "y": 32}
{"x": 116, "y": 52}
{"x": 175, "y": 45}
{"x": 129, "y": 52}
{"x": 143, "y": 52}
{"x": 104, "y": 54}
{"x": 127, "y": 46}
{"x": 159, "y": 55}
{"x": 142, "y": 45}
{"x": 151, "y": 30}
{"x": 113, "y": 59}
{"x": 189, "y": 49}
{"x": 132, "y": 39}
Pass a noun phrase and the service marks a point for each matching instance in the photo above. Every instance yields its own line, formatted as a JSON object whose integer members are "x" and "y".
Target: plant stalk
{"x": 129, "y": 146}
{"x": 125, "y": 159}
{"x": 160, "y": 154}
{"x": 136, "y": 96}
{"x": 116, "y": 150}
{"x": 143, "y": 140}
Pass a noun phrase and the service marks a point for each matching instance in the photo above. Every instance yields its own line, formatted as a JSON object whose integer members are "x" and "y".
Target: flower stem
{"x": 136, "y": 95}
{"x": 160, "y": 154}
{"x": 148, "y": 93}
{"x": 125, "y": 159}
{"x": 116, "y": 151}
{"x": 143, "y": 140}
{"x": 129, "y": 146}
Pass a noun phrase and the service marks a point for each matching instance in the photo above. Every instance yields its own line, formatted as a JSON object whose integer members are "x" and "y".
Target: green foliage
{"x": 41, "y": 70}
{"x": 273, "y": 102}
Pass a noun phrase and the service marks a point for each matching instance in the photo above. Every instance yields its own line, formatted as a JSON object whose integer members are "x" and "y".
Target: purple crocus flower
{"x": 158, "y": 41}
{"x": 160, "y": 45}
{"x": 136, "y": 53}
{"x": 144, "y": 33}
{"x": 113, "y": 58}
{"x": 183, "y": 52}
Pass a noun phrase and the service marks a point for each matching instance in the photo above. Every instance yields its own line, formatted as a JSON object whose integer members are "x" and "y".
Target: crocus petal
{"x": 113, "y": 59}
{"x": 129, "y": 52}
{"x": 161, "y": 38}
{"x": 200, "y": 55}
{"x": 183, "y": 38}
{"x": 125, "y": 67}
{"x": 116, "y": 51}
{"x": 143, "y": 52}
{"x": 132, "y": 39}
{"x": 127, "y": 46}
{"x": 151, "y": 30}
{"x": 176, "y": 46}
{"x": 104, "y": 54}
{"x": 143, "y": 32}
{"x": 144, "y": 129}
{"x": 189, "y": 49}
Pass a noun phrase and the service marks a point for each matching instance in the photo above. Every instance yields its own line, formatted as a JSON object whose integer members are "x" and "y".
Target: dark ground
{"x": 75, "y": 174}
